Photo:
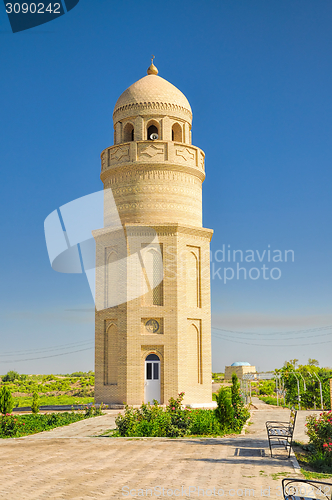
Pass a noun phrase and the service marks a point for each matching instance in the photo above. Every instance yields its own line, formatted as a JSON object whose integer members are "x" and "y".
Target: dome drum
{"x": 153, "y": 108}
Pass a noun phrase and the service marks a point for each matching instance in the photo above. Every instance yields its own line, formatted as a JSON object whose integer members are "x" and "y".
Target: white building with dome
{"x": 240, "y": 368}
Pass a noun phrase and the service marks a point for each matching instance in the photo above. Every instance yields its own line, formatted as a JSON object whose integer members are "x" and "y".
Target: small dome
{"x": 152, "y": 90}
{"x": 241, "y": 363}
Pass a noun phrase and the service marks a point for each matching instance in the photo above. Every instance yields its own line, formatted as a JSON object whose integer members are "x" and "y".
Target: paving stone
{"x": 66, "y": 463}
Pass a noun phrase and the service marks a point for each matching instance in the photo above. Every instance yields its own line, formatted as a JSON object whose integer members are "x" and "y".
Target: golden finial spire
{"x": 152, "y": 70}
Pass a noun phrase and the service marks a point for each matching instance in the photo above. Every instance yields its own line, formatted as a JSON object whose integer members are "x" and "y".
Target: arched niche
{"x": 128, "y": 132}
{"x": 177, "y": 133}
{"x": 152, "y": 127}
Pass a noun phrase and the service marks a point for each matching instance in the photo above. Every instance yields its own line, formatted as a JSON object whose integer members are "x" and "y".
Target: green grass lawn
{"x": 76, "y": 388}
{"x": 62, "y": 399}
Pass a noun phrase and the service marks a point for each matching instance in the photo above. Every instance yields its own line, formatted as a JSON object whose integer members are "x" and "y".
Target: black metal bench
{"x": 281, "y": 433}
{"x": 306, "y": 489}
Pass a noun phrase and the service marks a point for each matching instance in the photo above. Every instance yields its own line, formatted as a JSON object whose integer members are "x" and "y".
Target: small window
{"x": 152, "y": 130}
{"x": 176, "y": 133}
{"x": 148, "y": 371}
{"x": 128, "y": 133}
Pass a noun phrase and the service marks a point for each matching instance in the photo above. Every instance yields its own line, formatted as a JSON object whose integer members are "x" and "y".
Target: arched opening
{"x": 151, "y": 131}
{"x": 194, "y": 354}
{"x": 176, "y": 133}
{"x": 153, "y": 264}
{"x": 192, "y": 289}
{"x": 152, "y": 357}
{"x": 128, "y": 133}
{"x": 152, "y": 378}
{"x": 111, "y": 355}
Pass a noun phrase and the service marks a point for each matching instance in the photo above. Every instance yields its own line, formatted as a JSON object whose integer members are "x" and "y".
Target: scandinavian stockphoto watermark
{"x": 124, "y": 263}
{"x": 228, "y": 264}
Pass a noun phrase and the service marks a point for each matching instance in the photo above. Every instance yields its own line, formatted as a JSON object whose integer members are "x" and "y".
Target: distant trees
{"x": 11, "y": 376}
{"x": 313, "y": 362}
{"x": 309, "y": 376}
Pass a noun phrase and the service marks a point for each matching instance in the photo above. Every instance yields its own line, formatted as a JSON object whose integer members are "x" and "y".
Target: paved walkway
{"x": 66, "y": 463}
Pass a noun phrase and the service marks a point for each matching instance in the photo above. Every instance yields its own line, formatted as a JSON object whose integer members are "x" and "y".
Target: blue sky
{"x": 258, "y": 77}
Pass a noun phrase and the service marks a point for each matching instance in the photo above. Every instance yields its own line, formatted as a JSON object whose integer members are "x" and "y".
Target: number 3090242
{"x": 32, "y": 8}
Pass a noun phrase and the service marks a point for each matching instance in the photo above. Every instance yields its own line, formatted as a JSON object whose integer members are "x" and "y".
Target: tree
{"x": 11, "y": 376}
{"x": 6, "y": 400}
{"x": 291, "y": 363}
{"x": 313, "y": 362}
{"x": 240, "y": 412}
{"x": 224, "y": 411}
{"x": 35, "y": 403}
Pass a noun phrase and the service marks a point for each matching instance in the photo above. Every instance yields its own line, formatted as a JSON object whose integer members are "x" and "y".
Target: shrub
{"x": 224, "y": 411}
{"x": 319, "y": 430}
{"x": 231, "y": 412}
{"x": 6, "y": 401}
{"x": 241, "y": 414}
{"x": 148, "y": 420}
{"x": 179, "y": 418}
{"x": 35, "y": 403}
{"x": 152, "y": 420}
{"x": 84, "y": 392}
{"x": 267, "y": 387}
{"x": 173, "y": 421}
{"x": 11, "y": 376}
{"x": 22, "y": 425}
{"x": 204, "y": 423}
{"x": 9, "y": 425}
{"x": 94, "y": 411}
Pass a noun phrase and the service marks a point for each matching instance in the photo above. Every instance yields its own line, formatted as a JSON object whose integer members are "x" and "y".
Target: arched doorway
{"x": 152, "y": 379}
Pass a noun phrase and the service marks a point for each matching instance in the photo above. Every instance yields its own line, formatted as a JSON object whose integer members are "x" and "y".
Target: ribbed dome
{"x": 152, "y": 89}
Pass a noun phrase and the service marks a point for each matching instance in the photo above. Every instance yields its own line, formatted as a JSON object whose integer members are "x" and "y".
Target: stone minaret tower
{"x": 158, "y": 343}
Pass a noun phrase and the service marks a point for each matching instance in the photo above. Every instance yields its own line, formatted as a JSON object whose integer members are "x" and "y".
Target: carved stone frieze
{"x": 155, "y": 151}
{"x": 141, "y": 106}
{"x": 120, "y": 153}
{"x": 186, "y": 154}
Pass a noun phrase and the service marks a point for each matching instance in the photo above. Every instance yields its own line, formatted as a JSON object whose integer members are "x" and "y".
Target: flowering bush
{"x": 9, "y": 425}
{"x": 94, "y": 411}
{"x": 319, "y": 430}
{"x": 179, "y": 418}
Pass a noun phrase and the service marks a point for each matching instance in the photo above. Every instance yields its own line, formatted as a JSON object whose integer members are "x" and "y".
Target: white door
{"x": 152, "y": 379}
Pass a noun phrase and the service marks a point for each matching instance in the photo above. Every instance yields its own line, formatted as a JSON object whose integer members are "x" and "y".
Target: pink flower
{"x": 173, "y": 408}
{"x": 23, "y": 423}
{"x": 325, "y": 445}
